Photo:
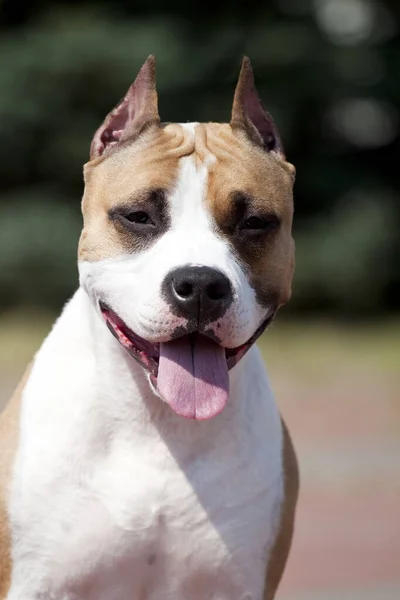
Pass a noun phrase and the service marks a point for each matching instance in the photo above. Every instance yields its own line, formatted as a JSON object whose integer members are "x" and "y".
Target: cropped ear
{"x": 248, "y": 112}
{"x": 135, "y": 112}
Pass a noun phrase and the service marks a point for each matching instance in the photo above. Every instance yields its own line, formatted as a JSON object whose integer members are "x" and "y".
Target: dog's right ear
{"x": 137, "y": 111}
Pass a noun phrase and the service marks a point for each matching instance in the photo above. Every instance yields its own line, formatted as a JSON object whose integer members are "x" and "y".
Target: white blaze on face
{"x": 132, "y": 284}
{"x": 192, "y": 370}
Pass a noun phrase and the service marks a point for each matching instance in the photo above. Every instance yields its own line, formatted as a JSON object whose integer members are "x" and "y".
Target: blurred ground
{"x": 338, "y": 389}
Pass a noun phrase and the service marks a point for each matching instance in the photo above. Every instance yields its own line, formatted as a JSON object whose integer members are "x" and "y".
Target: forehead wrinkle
{"x": 205, "y": 142}
{"x": 181, "y": 142}
{"x": 222, "y": 143}
{"x": 203, "y": 155}
{"x": 226, "y": 145}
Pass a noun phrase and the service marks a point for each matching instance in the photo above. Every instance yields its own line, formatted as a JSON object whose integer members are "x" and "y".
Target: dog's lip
{"x": 126, "y": 335}
{"x": 148, "y": 353}
{"x": 144, "y": 352}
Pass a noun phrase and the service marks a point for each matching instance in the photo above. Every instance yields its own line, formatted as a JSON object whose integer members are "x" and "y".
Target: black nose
{"x": 200, "y": 293}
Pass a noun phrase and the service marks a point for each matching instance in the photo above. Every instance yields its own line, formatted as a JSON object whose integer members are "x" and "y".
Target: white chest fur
{"x": 115, "y": 497}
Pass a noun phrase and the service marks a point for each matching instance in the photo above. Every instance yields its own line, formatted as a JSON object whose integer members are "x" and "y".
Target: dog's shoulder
{"x": 281, "y": 547}
{"x": 9, "y": 427}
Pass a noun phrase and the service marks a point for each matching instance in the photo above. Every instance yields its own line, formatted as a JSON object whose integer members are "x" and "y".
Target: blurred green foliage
{"x": 328, "y": 70}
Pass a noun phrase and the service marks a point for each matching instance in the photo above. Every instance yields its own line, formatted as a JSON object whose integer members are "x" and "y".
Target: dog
{"x": 143, "y": 456}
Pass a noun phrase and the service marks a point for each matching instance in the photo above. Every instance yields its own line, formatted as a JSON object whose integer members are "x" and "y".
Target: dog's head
{"x": 186, "y": 248}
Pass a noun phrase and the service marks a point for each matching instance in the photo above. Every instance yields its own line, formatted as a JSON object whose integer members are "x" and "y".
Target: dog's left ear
{"x": 136, "y": 111}
{"x": 249, "y": 114}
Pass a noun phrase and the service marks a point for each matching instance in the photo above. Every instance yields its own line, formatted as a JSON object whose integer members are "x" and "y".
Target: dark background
{"x": 328, "y": 70}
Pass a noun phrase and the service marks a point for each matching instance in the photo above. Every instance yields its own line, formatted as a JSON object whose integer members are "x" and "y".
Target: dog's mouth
{"x": 189, "y": 372}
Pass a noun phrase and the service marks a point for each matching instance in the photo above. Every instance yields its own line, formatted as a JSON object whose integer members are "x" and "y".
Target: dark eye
{"x": 261, "y": 223}
{"x": 139, "y": 217}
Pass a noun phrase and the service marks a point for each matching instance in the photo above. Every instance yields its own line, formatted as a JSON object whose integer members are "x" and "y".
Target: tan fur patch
{"x": 149, "y": 163}
{"x": 280, "y": 551}
{"x": 9, "y": 435}
{"x": 244, "y": 168}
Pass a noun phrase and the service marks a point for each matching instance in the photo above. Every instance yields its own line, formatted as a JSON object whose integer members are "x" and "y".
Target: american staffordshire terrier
{"x": 151, "y": 463}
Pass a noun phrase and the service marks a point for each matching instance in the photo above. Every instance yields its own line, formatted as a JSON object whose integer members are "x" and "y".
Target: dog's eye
{"x": 139, "y": 217}
{"x": 254, "y": 223}
{"x": 138, "y": 221}
{"x": 261, "y": 224}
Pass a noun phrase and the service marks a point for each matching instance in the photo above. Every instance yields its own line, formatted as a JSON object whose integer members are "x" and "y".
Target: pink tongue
{"x": 193, "y": 376}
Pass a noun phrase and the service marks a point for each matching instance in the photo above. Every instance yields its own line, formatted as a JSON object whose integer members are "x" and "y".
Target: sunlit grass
{"x": 310, "y": 345}
{"x": 21, "y": 334}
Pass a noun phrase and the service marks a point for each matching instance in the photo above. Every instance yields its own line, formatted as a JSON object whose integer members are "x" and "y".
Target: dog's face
{"x": 186, "y": 248}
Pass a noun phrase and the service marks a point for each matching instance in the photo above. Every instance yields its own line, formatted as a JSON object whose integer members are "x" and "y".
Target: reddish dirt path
{"x": 347, "y": 540}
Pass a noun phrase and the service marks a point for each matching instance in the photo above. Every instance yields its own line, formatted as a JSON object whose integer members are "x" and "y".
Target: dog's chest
{"x": 147, "y": 527}
{"x": 109, "y": 504}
